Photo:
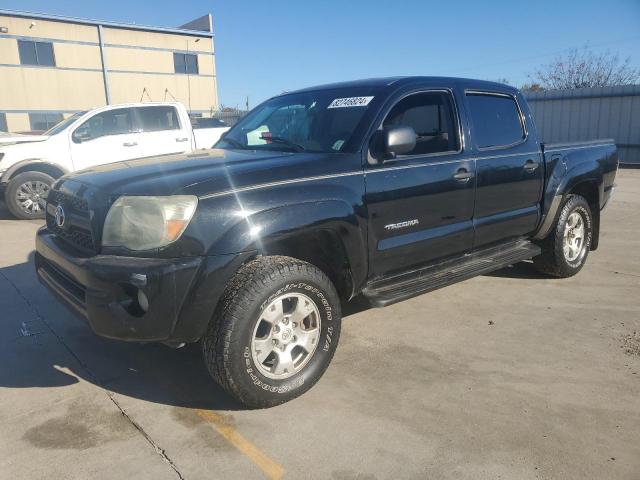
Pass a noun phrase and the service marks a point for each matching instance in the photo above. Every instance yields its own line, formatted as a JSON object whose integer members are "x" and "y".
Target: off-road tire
{"x": 552, "y": 260}
{"x": 12, "y": 188}
{"x": 226, "y": 346}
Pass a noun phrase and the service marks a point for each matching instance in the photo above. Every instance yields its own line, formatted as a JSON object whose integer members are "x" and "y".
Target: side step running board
{"x": 400, "y": 287}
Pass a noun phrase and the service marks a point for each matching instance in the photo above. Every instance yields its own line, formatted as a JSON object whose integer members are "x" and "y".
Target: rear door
{"x": 509, "y": 167}
{"x": 161, "y": 131}
{"x": 106, "y": 137}
{"x": 421, "y": 204}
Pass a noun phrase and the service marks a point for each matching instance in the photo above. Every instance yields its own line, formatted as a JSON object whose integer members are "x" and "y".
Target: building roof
{"x": 198, "y": 23}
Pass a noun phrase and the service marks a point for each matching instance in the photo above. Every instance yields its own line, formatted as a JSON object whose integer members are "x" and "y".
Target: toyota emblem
{"x": 60, "y": 218}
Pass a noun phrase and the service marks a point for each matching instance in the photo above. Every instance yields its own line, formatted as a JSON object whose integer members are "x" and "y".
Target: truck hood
{"x": 199, "y": 173}
{"x": 12, "y": 153}
{"x": 14, "y": 138}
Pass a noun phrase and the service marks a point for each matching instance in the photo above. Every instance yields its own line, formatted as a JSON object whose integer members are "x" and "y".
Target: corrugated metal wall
{"x": 588, "y": 114}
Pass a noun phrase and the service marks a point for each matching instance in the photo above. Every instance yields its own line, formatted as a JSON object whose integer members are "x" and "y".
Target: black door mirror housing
{"x": 81, "y": 134}
{"x": 391, "y": 141}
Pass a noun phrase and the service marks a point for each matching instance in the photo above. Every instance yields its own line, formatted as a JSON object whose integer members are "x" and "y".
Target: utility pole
{"x": 186, "y": 70}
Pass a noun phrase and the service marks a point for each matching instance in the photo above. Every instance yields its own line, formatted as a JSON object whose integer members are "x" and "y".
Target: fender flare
{"x": 264, "y": 230}
{"x": 580, "y": 173}
{"x": 10, "y": 172}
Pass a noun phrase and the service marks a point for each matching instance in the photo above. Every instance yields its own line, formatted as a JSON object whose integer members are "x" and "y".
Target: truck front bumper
{"x": 131, "y": 298}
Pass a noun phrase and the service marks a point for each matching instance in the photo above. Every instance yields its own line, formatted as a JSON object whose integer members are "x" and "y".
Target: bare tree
{"x": 581, "y": 68}
{"x": 532, "y": 87}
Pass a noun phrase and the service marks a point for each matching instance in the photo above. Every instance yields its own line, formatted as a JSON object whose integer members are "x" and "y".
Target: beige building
{"x": 52, "y": 66}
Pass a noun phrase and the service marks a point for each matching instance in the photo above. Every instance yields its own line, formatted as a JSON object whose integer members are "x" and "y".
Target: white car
{"x": 30, "y": 164}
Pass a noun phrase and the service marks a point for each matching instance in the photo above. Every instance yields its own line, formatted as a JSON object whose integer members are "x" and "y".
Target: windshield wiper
{"x": 284, "y": 141}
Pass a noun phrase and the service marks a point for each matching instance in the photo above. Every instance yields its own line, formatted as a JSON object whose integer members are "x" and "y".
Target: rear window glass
{"x": 496, "y": 120}
{"x": 199, "y": 122}
{"x": 155, "y": 119}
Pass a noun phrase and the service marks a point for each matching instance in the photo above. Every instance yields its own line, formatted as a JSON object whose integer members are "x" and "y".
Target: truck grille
{"x": 76, "y": 229}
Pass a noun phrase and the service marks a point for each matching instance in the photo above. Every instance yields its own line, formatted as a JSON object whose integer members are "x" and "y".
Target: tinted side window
{"x": 3, "y": 122}
{"x": 112, "y": 122}
{"x": 432, "y": 118}
{"x": 155, "y": 119}
{"x": 44, "y": 121}
{"x": 496, "y": 120}
{"x": 36, "y": 53}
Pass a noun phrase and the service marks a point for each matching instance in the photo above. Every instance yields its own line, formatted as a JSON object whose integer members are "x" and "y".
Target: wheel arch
{"x": 326, "y": 233}
{"x": 582, "y": 179}
{"x": 34, "y": 165}
{"x": 589, "y": 190}
{"x": 322, "y": 248}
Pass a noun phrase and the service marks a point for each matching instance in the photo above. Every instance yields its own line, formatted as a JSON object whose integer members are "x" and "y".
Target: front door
{"x": 509, "y": 165}
{"x": 421, "y": 204}
{"x": 106, "y": 137}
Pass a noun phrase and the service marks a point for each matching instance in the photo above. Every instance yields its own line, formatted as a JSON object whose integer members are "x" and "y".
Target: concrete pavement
{"x": 509, "y": 375}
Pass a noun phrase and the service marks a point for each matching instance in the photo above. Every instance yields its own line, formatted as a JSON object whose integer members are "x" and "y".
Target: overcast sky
{"x": 266, "y": 47}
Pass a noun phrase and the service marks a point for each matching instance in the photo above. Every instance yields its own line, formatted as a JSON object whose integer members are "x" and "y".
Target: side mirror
{"x": 392, "y": 141}
{"x": 81, "y": 134}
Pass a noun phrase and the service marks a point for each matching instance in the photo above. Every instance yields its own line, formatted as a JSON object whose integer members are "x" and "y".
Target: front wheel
{"x": 275, "y": 332}
{"x": 565, "y": 249}
{"x": 26, "y": 195}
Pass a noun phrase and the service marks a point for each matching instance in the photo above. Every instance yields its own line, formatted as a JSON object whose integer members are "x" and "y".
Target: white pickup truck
{"x": 30, "y": 164}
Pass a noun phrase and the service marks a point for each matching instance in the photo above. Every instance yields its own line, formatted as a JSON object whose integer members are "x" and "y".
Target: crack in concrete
{"x": 618, "y": 272}
{"x": 160, "y": 451}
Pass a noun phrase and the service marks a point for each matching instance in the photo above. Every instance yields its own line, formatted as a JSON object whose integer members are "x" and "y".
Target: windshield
{"x": 63, "y": 124}
{"x": 327, "y": 121}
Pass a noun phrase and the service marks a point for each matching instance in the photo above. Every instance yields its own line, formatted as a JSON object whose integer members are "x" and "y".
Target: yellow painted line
{"x": 271, "y": 469}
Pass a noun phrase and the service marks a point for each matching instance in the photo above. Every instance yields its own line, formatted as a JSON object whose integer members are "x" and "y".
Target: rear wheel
{"x": 565, "y": 249}
{"x": 275, "y": 332}
{"x": 26, "y": 194}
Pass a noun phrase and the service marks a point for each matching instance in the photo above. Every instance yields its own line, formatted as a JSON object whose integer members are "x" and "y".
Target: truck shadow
{"x": 521, "y": 270}
{"x": 4, "y": 213}
{"x": 44, "y": 345}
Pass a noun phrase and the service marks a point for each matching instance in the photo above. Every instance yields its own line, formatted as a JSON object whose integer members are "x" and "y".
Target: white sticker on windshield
{"x": 350, "y": 102}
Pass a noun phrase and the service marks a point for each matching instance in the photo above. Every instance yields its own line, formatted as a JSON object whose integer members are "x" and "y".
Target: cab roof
{"x": 388, "y": 83}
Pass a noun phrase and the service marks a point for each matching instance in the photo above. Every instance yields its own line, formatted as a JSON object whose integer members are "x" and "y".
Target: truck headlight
{"x": 145, "y": 223}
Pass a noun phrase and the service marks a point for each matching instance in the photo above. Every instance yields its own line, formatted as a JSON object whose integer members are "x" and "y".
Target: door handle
{"x": 182, "y": 139}
{"x": 531, "y": 165}
{"x": 130, "y": 144}
{"x": 463, "y": 175}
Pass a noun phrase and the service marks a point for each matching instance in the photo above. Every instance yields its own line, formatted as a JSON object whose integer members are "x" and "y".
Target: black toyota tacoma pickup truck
{"x": 384, "y": 189}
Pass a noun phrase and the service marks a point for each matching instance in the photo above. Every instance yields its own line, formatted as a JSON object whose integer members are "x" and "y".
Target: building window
{"x": 185, "y": 63}
{"x": 3, "y": 122}
{"x": 36, "y": 53}
{"x": 44, "y": 121}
